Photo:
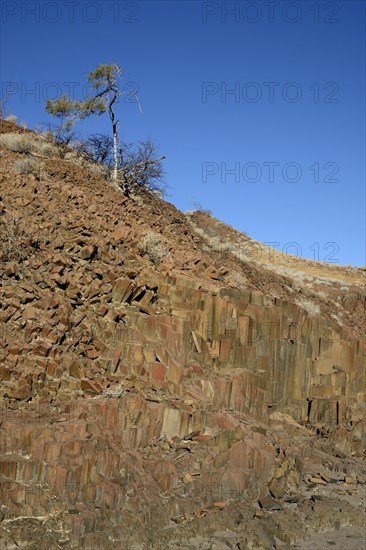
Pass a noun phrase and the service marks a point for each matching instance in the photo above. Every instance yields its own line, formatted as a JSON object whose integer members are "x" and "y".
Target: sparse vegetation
{"x": 28, "y": 166}
{"x": 152, "y": 246}
{"x": 140, "y": 167}
{"x": 29, "y": 144}
{"x": 132, "y": 167}
{"x": 239, "y": 279}
{"x": 18, "y": 143}
{"x": 14, "y": 242}
{"x": 115, "y": 392}
{"x": 60, "y": 135}
{"x": 104, "y": 80}
{"x": 48, "y": 149}
{"x": 311, "y": 307}
{"x": 11, "y": 118}
{"x": 97, "y": 149}
{"x": 199, "y": 208}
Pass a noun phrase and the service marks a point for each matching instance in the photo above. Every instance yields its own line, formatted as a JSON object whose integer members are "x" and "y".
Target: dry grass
{"x": 152, "y": 246}
{"x": 29, "y": 144}
{"x": 98, "y": 170}
{"x": 47, "y": 149}
{"x": 239, "y": 279}
{"x": 14, "y": 242}
{"x": 18, "y": 143}
{"x": 303, "y": 272}
{"x": 309, "y": 306}
{"x": 28, "y": 166}
{"x": 11, "y": 118}
{"x": 199, "y": 208}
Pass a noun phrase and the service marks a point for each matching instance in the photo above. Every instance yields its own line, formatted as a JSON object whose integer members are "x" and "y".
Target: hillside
{"x": 166, "y": 381}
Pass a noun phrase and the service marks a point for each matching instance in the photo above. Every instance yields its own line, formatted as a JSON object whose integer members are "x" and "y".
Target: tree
{"x": 140, "y": 166}
{"x": 104, "y": 80}
{"x": 63, "y": 134}
{"x": 98, "y": 149}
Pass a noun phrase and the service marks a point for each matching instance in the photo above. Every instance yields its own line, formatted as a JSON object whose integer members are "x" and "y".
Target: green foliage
{"x": 62, "y": 107}
{"x": 70, "y": 111}
{"x": 105, "y": 75}
{"x": 104, "y": 80}
{"x": 91, "y": 106}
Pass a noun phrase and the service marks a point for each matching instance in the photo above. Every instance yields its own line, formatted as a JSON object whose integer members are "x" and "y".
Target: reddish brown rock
{"x": 90, "y": 387}
{"x": 88, "y": 252}
{"x": 133, "y": 392}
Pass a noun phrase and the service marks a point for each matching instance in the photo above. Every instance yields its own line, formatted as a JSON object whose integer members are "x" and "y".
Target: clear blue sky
{"x": 292, "y": 133}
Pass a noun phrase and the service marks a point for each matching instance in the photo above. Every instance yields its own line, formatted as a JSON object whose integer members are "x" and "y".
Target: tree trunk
{"x": 115, "y": 135}
{"x": 115, "y": 151}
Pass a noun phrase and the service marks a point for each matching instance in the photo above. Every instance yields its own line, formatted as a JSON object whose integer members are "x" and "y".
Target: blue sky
{"x": 281, "y": 157}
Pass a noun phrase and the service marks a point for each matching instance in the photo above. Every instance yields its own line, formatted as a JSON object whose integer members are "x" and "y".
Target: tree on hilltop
{"x": 105, "y": 81}
{"x": 130, "y": 166}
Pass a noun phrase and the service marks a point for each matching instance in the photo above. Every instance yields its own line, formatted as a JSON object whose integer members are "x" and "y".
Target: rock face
{"x": 146, "y": 406}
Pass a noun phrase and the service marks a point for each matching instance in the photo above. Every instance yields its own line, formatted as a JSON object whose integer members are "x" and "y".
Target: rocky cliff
{"x": 162, "y": 387}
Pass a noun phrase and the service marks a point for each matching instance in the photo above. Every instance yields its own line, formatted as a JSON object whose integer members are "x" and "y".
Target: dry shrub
{"x": 47, "y": 146}
{"x": 14, "y": 242}
{"x": 116, "y": 392}
{"x": 29, "y": 144}
{"x": 97, "y": 169}
{"x": 151, "y": 245}
{"x": 19, "y": 143}
{"x": 239, "y": 279}
{"x": 28, "y": 166}
{"x": 11, "y": 118}
{"x": 309, "y": 306}
{"x": 199, "y": 208}
{"x": 47, "y": 149}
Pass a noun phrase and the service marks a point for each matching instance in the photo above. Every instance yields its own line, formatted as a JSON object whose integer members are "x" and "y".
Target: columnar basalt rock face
{"x": 220, "y": 365}
{"x": 145, "y": 407}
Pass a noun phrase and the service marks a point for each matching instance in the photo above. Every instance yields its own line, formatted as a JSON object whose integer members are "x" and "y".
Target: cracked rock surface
{"x": 174, "y": 404}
